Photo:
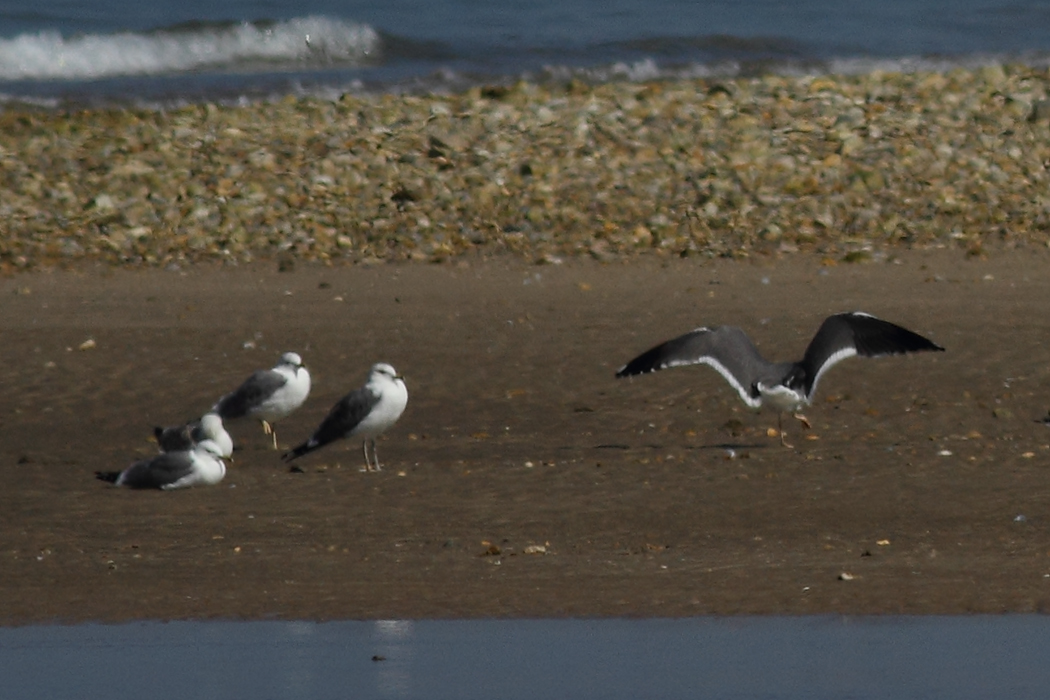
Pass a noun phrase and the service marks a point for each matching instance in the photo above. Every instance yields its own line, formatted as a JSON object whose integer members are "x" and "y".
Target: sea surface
{"x": 973, "y": 657}
{"x": 189, "y": 50}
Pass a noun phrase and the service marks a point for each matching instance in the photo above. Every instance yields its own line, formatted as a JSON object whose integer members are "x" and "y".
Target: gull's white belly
{"x": 286, "y": 399}
{"x": 781, "y": 398}
{"x": 385, "y": 413}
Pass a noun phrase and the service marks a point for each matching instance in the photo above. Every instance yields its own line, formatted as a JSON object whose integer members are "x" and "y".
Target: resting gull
{"x": 268, "y": 395}
{"x": 786, "y": 386}
{"x": 173, "y": 470}
{"x": 366, "y": 413}
{"x": 183, "y": 437}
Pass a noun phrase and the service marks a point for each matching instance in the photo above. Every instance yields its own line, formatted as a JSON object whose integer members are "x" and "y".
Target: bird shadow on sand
{"x": 731, "y": 446}
{"x": 716, "y": 446}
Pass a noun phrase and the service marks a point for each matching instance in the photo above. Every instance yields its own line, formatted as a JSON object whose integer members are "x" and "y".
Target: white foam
{"x": 310, "y": 40}
{"x": 932, "y": 64}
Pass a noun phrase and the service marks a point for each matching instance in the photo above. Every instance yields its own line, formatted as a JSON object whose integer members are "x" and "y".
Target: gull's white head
{"x": 291, "y": 359}
{"x": 214, "y": 431}
{"x": 211, "y": 425}
{"x": 383, "y": 371}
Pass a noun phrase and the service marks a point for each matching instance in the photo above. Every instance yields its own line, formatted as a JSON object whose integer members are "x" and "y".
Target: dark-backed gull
{"x": 201, "y": 465}
{"x": 268, "y": 395}
{"x": 786, "y": 386}
{"x": 365, "y": 413}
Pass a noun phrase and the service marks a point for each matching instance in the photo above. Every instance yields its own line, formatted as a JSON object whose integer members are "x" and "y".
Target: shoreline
{"x": 846, "y": 167}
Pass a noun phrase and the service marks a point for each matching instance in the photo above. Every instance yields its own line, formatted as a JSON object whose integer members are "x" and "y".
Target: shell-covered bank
{"x": 846, "y": 167}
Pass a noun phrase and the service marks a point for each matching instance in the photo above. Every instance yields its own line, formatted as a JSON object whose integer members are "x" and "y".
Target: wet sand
{"x": 922, "y": 487}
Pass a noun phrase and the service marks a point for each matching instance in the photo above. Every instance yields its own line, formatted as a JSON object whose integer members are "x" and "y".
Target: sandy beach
{"x": 508, "y": 249}
{"x": 524, "y": 479}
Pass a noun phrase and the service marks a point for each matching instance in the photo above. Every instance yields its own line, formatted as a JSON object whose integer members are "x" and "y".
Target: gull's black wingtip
{"x": 919, "y": 343}
{"x": 634, "y": 368}
{"x": 645, "y": 363}
{"x": 108, "y": 477}
{"x": 874, "y": 336}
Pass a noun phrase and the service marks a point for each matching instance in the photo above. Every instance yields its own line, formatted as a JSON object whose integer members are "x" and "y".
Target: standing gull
{"x": 173, "y": 470}
{"x": 786, "y": 386}
{"x": 366, "y": 413}
{"x": 183, "y": 437}
{"x": 269, "y": 394}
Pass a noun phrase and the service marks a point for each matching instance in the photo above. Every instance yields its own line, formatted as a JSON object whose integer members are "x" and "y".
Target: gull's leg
{"x": 804, "y": 421}
{"x": 368, "y": 463}
{"x": 268, "y": 430}
{"x": 780, "y": 429}
{"x": 375, "y": 454}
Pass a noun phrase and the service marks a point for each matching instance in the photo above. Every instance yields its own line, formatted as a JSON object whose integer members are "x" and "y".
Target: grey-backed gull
{"x": 173, "y": 470}
{"x": 786, "y": 386}
{"x": 268, "y": 395}
{"x": 365, "y": 413}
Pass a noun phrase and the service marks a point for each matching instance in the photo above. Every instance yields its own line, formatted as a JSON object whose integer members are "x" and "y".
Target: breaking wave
{"x": 284, "y": 45}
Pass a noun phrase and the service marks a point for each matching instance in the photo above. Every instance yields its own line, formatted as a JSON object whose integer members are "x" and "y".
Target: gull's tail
{"x": 308, "y": 446}
{"x": 108, "y": 477}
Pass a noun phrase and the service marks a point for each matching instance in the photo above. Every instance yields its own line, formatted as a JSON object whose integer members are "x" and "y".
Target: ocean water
{"x": 168, "y": 50}
{"x": 772, "y": 658}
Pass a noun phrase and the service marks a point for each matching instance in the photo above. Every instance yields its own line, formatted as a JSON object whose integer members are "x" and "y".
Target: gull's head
{"x": 211, "y": 424}
{"x": 385, "y": 371}
{"x": 291, "y": 359}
